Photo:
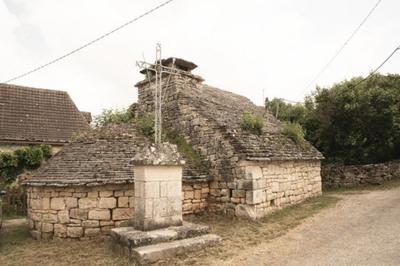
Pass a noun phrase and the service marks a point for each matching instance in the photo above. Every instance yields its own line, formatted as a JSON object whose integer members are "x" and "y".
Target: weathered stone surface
{"x": 86, "y": 203}
{"x": 63, "y": 217}
{"x": 122, "y": 213}
{"x": 334, "y": 176}
{"x": 91, "y": 223}
{"x": 107, "y": 203}
{"x": 151, "y": 254}
{"x": 123, "y": 202}
{"x": 47, "y": 227}
{"x": 60, "y": 230}
{"x": 74, "y": 232}
{"x": 92, "y": 232}
{"x": 99, "y": 214}
{"x": 57, "y": 204}
{"x": 78, "y": 214}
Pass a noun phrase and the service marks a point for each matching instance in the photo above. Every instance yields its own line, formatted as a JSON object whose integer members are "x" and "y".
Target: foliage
{"x": 294, "y": 131}
{"x": 14, "y": 163}
{"x": 252, "y": 123}
{"x": 115, "y": 116}
{"x": 353, "y": 122}
{"x": 145, "y": 125}
{"x": 187, "y": 150}
{"x": 286, "y": 111}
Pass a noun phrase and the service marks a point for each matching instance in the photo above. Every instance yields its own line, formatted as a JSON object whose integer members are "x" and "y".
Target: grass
{"x": 238, "y": 233}
{"x": 17, "y": 247}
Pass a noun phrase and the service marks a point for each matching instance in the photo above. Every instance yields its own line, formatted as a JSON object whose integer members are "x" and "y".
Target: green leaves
{"x": 14, "y": 163}
{"x": 294, "y": 131}
{"x": 252, "y": 123}
{"x": 114, "y": 116}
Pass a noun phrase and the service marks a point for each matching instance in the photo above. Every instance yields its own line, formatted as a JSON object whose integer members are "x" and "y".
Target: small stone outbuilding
{"x": 87, "y": 188}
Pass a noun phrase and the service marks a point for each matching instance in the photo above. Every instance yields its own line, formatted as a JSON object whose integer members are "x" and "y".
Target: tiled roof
{"x": 33, "y": 115}
{"x": 225, "y": 110}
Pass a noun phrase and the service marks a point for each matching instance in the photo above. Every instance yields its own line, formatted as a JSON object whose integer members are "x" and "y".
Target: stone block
{"x": 106, "y": 194}
{"x": 118, "y": 193}
{"x": 99, "y": 214}
{"x": 90, "y": 223}
{"x": 107, "y": 203}
{"x": 92, "y": 232}
{"x": 123, "y": 202}
{"x": 122, "y": 213}
{"x": 189, "y": 194}
{"x": 197, "y": 194}
{"x": 74, "y": 232}
{"x": 60, "y": 230}
{"x": 129, "y": 193}
{"x": 57, "y": 204}
{"x": 63, "y": 217}
{"x": 78, "y": 214}
{"x": 71, "y": 202}
{"x": 93, "y": 194}
{"x": 49, "y": 218}
{"x": 86, "y": 203}
{"x": 47, "y": 227}
{"x": 238, "y": 193}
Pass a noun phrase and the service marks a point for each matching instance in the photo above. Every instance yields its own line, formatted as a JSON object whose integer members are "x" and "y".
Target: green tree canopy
{"x": 352, "y": 122}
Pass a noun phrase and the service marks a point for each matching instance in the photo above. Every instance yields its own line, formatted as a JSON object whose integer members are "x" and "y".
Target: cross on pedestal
{"x": 158, "y": 70}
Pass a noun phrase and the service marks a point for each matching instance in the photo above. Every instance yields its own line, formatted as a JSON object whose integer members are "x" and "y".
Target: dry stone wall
{"x": 336, "y": 176}
{"x": 81, "y": 212}
{"x": 262, "y": 187}
{"x": 78, "y": 212}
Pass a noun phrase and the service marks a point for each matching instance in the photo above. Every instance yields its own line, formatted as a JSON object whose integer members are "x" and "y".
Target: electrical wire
{"x": 88, "y": 43}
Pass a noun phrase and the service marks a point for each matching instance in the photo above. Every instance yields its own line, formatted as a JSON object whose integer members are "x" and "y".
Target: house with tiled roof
{"x": 30, "y": 116}
{"x": 241, "y": 172}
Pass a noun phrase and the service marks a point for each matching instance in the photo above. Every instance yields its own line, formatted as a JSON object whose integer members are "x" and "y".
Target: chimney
{"x": 172, "y": 83}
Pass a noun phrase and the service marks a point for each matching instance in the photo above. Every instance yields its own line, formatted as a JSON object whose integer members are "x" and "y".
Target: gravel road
{"x": 362, "y": 229}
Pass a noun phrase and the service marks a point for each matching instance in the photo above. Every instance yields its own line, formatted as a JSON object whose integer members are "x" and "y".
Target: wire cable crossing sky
{"x": 342, "y": 47}
{"x": 90, "y": 42}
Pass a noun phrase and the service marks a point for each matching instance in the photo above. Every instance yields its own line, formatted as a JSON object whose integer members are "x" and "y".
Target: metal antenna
{"x": 159, "y": 70}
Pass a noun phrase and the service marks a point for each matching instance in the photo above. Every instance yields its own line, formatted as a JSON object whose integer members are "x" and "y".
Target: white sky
{"x": 240, "y": 46}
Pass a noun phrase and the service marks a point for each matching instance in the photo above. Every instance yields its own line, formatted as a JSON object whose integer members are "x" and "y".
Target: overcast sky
{"x": 240, "y": 46}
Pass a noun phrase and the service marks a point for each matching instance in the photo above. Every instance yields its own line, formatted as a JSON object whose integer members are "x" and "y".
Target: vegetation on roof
{"x": 294, "y": 131}
{"x": 114, "y": 116}
{"x": 252, "y": 123}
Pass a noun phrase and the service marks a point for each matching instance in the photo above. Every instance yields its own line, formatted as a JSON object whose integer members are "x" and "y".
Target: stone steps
{"x": 146, "y": 255}
{"x": 146, "y": 247}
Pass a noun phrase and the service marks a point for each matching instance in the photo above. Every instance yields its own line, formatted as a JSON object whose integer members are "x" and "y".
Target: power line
{"x": 89, "y": 43}
{"x": 379, "y": 67}
{"x": 342, "y": 47}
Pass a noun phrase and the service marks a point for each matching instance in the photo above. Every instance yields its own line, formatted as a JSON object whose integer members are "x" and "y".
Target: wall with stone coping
{"x": 336, "y": 176}
{"x": 78, "y": 212}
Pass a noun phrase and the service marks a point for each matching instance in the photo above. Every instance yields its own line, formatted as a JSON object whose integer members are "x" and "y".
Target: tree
{"x": 354, "y": 121}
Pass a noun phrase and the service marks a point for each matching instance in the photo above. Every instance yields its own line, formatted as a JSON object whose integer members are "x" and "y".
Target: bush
{"x": 14, "y": 163}
{"x": 294, "y": 131}
{"x": 252, "y": 123}
{"x": 114, "y": 116}
{"x": 145, "y": 125}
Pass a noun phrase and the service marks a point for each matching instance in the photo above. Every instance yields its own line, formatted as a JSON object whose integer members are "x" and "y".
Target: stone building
{"x": 249, "y": 174}
{"x": 30, "y": 116}
{"x": 87, "y": 188}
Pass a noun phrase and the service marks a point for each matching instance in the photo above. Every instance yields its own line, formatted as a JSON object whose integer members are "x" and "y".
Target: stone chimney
{"x": 172, "y": 83}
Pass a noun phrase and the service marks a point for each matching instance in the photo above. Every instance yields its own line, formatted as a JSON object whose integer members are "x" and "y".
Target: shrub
{"x": 14, "y": 163}
{"x": 145, "y": 125}
{"x": 294, "y": 131}
{"x": 252, "y": 123}
{"x": 114, "y": 116}
{"x": 47, "y": 150}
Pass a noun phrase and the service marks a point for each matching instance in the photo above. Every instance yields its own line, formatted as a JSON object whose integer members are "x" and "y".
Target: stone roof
{"x": 31, "y": 115}
{"x": 96, "y": 157}
{"x": 225, "y": 110}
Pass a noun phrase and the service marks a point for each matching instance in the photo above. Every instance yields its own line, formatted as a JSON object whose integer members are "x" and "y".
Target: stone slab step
{"x": 153, "y": 253}
{"x": 130, "y": 238}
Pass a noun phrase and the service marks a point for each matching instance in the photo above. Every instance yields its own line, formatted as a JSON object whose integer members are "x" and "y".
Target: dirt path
{"x": 363, "y": 229}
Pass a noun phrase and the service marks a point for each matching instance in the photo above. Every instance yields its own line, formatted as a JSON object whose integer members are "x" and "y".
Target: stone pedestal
{"x": 158, "y": 187}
